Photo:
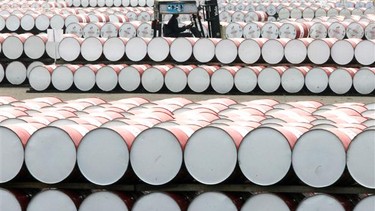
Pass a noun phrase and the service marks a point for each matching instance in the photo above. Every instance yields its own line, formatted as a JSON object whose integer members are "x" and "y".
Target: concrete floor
{"x": 24, "y": 92}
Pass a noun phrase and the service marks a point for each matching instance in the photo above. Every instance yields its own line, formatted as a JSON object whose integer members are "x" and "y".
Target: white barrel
{"x": 222, "y": 81}
{"x": 364, "y": 53}
{"x": 92, "y": 48}
{"x": 319, "y": 51}
{"x": 265, "y": 201}
{"x": 145, "y": 16}
{"x": 308, "y": 12}
{"x": 255, "y": 153}
{"x": 12, "y": 46}
{"x": 364, "y": 81}
{"x": 112, "y": 43}
{"x": 226, "y": 50}
{"x": 211, "y": 201}
{"x": 13, "y": 200}
{"x": 273, "y": 50}
{"x": 106, "y": 200}
{"x": 40, "y": 77}
{"x": 238, "y": 16}
{"x": 319, "y": 30}
{"x": 246, "y": 78}
{"x": 270, "y": 30}
{"x": 84, "y": 77}
{"x": 321, "y": 12}
{"x": 129, "y": 77}
{"x": 15, "y": 137}
{"x": 92, "y": 30}
{"x": 13, "y": 22}
{"x": 153, "y": 78}
{"x": 234, "y": 30}
{"x": 136, "y": 49}
{"x": 158, "y": 48}
{"x": 52, "y": 200}
{"x": 16, "y": 73}
{"x": 342, "y": 51}
{"x": 269, "y": 79}
{"x": 293, "y": 30}
{"x": 160, "y": 201}
{"x": 176, "y": 78}
{"x": 296, "y": 13}
{"x": 109, "y": 30}
{"x": 57, "y": 21}
{"x": 367, "y": 203}
{"x": 356, "y": 30}
{"x": 337, "y": 30}
{"x": 252, "y": 30}
{"x": 103, "y": 154}
{"x": 284, "y": 13}
{"x": 296, "y": 50}
{"x": 62, "y": 77}
{"x": 322, "y": 202}
{"x": 225, "y": 16}
{"x": 324, "y": 152}
{"x": 316, "y": 79}
{"x": 341, "y": 80}
{"x": 42, "y": 22}
{"x": 199, "y": 78}
{"x": 181, "y": 49}
{"x": 131, "y": 15}
{"x": 360, "y": 163}
{"x": 35, "y": 46}
{"x": 128, "y": 30}
{"x": 158, "y": 144}
{"x": 204, "y": 49}
{"x": 145, "y": 30}
{"x": 208, "y": 164}
{"x": 75, "y": 28}
{"x": 293, "y": 79}
{"x": 76, "y": 18}
{"x": 370, "y": 31}
{"x": 106, "y": 77}
{"x": 44, "y": 152}
{"x": 69, "y": 48}
{"x": 28, "y": 22}
{"x": 249, "y": 50}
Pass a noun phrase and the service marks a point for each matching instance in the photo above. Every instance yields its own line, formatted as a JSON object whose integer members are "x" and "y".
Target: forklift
{"x": 209, "y": 10}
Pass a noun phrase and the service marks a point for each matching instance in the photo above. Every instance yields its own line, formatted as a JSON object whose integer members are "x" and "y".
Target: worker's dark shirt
{"x": 172, "y": 29}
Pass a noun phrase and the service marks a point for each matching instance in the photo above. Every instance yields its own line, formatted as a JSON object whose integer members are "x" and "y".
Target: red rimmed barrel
{"x": 54, "y": 199}
{"x": 14, "y": 139}
{"x": 104, "y": 200}
{"x": 325, "y": 157}
{"x": 363, "y": 80}
{"x": 157, "y": 153}
{"x": 103, "y": 153}
{"x": 46, "y": 148}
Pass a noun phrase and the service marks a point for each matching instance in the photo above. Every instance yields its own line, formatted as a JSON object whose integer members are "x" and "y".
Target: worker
{"x": 171, "y": 29}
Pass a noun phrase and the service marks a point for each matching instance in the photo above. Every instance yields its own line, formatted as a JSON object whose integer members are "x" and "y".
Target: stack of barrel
{"x": 172, "y": 141}
{"x": 176, "y": 154}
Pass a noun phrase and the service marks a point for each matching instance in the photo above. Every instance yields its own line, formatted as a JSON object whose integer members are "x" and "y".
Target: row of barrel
{"x": 103, "y": 200}
{"x": 225, "y": 51}
{"x": 110, "y": 3}
{"x": 32, "y": 4}
{"x": 175, "y": 139}
{"x": 39, "y": 21}
{"x": 332, "y": 28}
{"x": 199, "y": 79}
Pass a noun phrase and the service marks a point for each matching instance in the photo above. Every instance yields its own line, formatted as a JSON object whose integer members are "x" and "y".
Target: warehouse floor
{"x": 24, "y": 92}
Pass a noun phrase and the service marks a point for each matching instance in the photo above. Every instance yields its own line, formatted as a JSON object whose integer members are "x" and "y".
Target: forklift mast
{"x": 209, "y": 10}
